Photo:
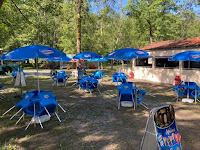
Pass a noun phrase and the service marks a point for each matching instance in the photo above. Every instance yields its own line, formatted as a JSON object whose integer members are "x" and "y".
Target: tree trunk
{"x": 1, "y": 3}
{"x": 78, "y": 37}
{"x": 54, "y": 33}
{"x": 45, "y": 15}
{"x": 79, "y": 3}
{"x": 149, "y": 22}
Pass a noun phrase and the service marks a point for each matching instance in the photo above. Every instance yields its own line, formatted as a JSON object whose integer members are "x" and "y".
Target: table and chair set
{"x": 129, "y": 95}
{"x": 60, "y": 78}
{"x": 189, "y": 89}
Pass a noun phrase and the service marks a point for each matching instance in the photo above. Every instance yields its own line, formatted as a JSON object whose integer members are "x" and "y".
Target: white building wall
{"x": 164, "y": 75}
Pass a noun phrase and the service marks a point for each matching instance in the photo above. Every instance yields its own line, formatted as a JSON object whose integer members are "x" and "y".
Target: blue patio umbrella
{"x": 87, "y": 55}
{"x": 33, "y": 52}
{"x": 186, "y": 56}
{"x": 102, "y": 59}
{"x": 127, "y": 54}
{"x": 60, "y": 59}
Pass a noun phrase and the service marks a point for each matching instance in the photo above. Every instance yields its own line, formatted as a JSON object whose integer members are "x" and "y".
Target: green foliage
{"x": 104, "y": 27}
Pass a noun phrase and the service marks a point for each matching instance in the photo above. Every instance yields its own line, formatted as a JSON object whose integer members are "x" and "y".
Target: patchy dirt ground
{"x": 92, "y": 121}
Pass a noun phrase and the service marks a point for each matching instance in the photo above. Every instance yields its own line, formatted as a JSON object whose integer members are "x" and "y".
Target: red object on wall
{"x": 92, "y": 67}
{"x": 74, "y": 60}
{"x": 46, "y": 67}
{"x": 177, "y": 80}
{"x": 131, "y": 75}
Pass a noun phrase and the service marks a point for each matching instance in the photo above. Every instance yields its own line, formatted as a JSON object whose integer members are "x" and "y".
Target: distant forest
{"x": 99, "y": 26}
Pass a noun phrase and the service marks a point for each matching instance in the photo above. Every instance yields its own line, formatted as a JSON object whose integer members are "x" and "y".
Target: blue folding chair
{"x": 60, "y": 78}
{"x": 99, "y": 75}
{"x": 139, "y": 96}
{"x": 126, "y": 94}
{"x": 93, "y": 84}
{"x": 119, "y": 77}
{"x": 83, "y": 83}
{"x": 88, "y": 84}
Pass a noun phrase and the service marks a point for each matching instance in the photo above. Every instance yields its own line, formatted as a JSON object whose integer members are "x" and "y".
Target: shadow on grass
{"x": 92, "y": 121}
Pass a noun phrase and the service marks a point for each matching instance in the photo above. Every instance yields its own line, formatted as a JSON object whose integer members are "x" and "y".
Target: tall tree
{"x": 148, "y": 12}
{"x": 1, "y": 3}
{"x": 79, "y": 4}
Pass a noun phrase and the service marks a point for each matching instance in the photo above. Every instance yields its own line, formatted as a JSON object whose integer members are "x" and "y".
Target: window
{"x": 163, "y": 62}
{"x": 146, "y": 62}
{"x": 193, "y": 64}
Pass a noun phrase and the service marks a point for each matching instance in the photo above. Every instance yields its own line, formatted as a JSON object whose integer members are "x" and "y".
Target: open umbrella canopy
{"x": 127, "y": 54}
{"x": 33, "y": 52}
{"x": 98, "y": 59}
{"x": 3, "y": 57}
{"x": 87, "y": 55}
{"x": 60, "y": 59}
{"x": 186, "y": 56}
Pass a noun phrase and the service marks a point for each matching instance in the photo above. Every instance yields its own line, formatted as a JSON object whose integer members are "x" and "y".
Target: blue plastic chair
{"x": 60, "y": 78}
{"x": 88, "y": 84}
{"x": 92, "y": 83}
{"x": 83, "y": 83}
{"x": 119, "y": 77}
{"x": 138, "y": 94}
{"x": 98, "y": 75}
{"x": 126, "y": 94}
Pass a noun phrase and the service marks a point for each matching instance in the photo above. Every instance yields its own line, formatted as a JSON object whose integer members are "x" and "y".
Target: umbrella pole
{"x": 188, "y": 79}
{"x": 20, "y": 80}
{"x": 127, "y": 68}
{"x": 37, "y": 74}
{"x": 98, "y": 66}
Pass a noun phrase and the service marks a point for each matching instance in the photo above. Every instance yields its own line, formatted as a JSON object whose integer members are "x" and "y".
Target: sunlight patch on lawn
{"x": 90, "y": 138}
{"x": 111, "y": 146}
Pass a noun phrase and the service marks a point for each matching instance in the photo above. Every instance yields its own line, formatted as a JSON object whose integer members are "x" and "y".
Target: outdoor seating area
{"x": 41, "y": 105}
{"x": 100, "y": 75}
{"x": 86, "y": 108}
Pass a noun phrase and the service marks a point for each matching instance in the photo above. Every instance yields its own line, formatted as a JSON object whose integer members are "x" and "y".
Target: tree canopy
{"x": 106, "y": 25}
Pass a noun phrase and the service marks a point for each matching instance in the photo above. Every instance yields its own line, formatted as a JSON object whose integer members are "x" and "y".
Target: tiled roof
{"x": 171, "y": 44}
